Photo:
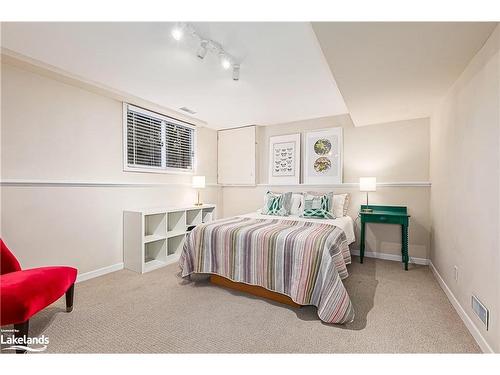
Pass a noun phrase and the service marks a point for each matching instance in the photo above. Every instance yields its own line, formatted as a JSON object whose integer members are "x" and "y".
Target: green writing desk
{"x": 386, "y": 215}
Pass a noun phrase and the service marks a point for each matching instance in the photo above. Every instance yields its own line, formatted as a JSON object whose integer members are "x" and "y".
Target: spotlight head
{"x": 236, "y": 72}
{"x": 177, "y": 33}
{"x": 226, "y": 64}
{"x": 202, "y": 51}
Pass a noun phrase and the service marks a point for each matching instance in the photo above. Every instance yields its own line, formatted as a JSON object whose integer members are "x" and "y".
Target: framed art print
{"x": 284, "y": 159}
{"x": 323, "y": 157}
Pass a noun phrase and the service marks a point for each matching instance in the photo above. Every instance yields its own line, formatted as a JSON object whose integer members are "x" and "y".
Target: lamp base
{"x": 198, "y": 203}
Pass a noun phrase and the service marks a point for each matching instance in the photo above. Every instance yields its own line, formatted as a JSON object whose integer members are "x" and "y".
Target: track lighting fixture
{"x": 227, "y": 61}
{"x": 177, "y": 33}
{"x": 202, "y": 50}
{"x": 236, "y": 72}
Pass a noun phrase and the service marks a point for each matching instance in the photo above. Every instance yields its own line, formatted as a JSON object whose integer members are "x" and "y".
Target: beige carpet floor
{"x": 158, "y": 312}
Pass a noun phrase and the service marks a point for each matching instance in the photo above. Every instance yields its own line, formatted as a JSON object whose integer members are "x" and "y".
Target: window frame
{"x": 151, "y": 169}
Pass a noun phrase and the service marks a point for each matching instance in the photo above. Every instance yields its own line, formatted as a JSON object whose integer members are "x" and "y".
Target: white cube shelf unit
{"x": 153, "y": 238}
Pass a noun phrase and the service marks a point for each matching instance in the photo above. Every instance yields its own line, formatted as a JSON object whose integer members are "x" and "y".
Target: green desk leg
{"x": 404, "y": 245}
{"x": 362, "y": 243}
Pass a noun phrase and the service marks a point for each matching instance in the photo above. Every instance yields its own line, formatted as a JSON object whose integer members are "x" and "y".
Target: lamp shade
{"x": 198, "y": 182}
{"x": 367, "y": 184}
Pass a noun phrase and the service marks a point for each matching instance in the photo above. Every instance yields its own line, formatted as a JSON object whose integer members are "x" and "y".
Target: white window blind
{"x": 158, "y": 143}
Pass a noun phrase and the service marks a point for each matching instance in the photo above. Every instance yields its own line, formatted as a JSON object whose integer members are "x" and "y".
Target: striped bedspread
{"x": 303, "y": 260}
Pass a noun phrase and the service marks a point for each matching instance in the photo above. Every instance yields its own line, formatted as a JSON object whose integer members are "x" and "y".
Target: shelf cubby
{"x": 207, "y": 214}
{"x": 193, "y": 217}
{"x": 155, "y": 254}
{"x": 175, "y": 244}
{"x": 155, "y": 225}
{"x": 176, "y": 222}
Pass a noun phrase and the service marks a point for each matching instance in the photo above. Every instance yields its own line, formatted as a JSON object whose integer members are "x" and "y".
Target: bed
{"x": 304, "y": 259}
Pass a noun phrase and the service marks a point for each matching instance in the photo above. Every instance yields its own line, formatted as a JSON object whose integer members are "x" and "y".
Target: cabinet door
{"x": 236, "y": 156}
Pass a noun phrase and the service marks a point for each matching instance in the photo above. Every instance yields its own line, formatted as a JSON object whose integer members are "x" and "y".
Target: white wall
{"x": 394, "y": 152}
{"x": 53, "y": 132}
{"x": 465, "y": 194}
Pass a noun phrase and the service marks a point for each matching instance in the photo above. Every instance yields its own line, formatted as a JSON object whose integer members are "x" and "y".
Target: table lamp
{"x": 198, "y": 183}
{"x": 367, "y": 184}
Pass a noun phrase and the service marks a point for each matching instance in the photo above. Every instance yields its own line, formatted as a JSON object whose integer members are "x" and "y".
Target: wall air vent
{"x": 186, "y": 109}
{"x": 480, "y": 310}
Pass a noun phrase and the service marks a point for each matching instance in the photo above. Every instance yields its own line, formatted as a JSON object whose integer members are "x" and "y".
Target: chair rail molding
{"x": 84, "y": 183}
{"x": 342, "y": 185}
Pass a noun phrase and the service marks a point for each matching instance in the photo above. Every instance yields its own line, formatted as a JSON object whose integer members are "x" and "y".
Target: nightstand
{"x": 386, "y": 215}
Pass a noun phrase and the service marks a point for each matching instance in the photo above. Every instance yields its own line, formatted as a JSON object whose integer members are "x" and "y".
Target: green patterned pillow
{"x": 318, "y": 206}
{"x": 278, "y": 204}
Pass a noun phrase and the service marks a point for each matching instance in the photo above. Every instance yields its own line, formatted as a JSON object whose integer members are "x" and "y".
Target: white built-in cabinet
{"x": 236, "y": 158}
{"x": 153, "y": 238}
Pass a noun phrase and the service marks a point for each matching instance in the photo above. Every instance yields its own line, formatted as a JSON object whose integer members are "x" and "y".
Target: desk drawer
{"x": 384, "y": 219}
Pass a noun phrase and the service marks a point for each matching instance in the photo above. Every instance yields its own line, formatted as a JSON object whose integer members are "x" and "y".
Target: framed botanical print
{"x": 284, "y": 159}
{"x": 323, "y": 156}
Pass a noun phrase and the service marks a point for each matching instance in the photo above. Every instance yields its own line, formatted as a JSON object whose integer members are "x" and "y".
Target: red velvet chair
{"x": 24, "y": 293}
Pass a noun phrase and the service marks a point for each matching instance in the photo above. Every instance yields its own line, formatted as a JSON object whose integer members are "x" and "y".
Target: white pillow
{"x": 340, "y": 204}
{"x": 297, "y": 204}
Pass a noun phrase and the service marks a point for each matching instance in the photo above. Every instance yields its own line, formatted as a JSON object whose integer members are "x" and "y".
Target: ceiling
{"x": 396, "y": 71}
{"x": 284, "y": 76}
{"x": 385, "y": 71}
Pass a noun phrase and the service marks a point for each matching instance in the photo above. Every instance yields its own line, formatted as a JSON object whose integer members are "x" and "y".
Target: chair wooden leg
{"x": 69, "y": 298}
{"x": 21, "y": 330}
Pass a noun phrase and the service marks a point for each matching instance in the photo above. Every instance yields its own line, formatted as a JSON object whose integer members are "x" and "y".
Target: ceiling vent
{"x": 186, "y": 109}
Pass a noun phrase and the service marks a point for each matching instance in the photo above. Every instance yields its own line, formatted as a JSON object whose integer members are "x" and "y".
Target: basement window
{"x": 157, "y": 143}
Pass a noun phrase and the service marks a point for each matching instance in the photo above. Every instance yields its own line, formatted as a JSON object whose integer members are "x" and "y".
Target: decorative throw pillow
{"x": 297, "y": 199}
{"x": 340, "y": 204}
{"x": 277, "y": 204}
{"x": 318, "y": 206}
{"x": 346, "y": 203}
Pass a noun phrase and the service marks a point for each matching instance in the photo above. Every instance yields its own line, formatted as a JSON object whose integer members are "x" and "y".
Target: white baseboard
{"x": 397, "y": 258}
{"x": 99, "y": 272}
{"x": 461, "y": 312}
